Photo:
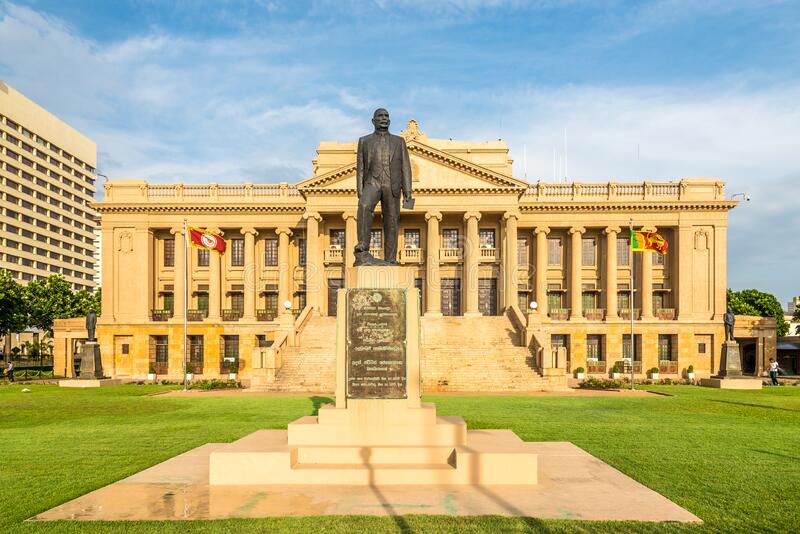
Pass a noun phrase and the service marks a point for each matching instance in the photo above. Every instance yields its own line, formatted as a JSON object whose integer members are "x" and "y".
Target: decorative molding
{"x": 434, "y": 215}
{"x": 612, "y": 230}
{"x": 413, "y": 132}
{"x": 177, "y": 208}
{"x": 125, "y": 242}
{"x": 283, "y": 230}
{"x": 627, "y": 207}
{"x": 509, "y": 214}
{"x": 312, "y": 215}
{"x": 348, "y": 215}
{"x": 577, "y": 230}
{"x": 175, "y": 230}
{"x": 701, "y": 239}
{"x": 472, "y": 215}
{"x": 541, "y": 230}
{"x": 248, "y": 230}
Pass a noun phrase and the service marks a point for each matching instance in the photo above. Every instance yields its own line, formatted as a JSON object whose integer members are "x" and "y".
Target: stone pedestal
{"x": 730, "y": 371}
{"x": 377, "y": 432}
{"x": 91, "y": 364}
{"x": 731, "y": 363}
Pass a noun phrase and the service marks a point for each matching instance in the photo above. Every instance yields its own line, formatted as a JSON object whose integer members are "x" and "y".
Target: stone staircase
{"x": 470, "y": 354}
{"x": 312, "y": 365}
{"x": 477, "y": 354}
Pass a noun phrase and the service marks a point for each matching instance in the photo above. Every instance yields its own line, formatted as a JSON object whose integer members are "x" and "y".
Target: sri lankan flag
{"x": 642, "y": 241}
{"x": 208, "y": 240}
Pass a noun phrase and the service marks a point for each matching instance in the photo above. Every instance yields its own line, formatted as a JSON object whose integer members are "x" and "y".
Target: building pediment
{"x": 433, "y": 170}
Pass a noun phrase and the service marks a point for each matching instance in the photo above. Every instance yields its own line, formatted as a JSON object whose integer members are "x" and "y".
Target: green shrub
{"x": 615, "y": 369}
{"x": 690, "y": 369}
{"x": 580, "y": 370}
{"x": 654, "y": 370}
{"x": 214, "y": 383}
{"x": 601, "y": 383}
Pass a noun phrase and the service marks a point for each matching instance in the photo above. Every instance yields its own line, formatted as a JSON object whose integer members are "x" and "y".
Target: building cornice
{"x": 178, "y": 208}
{"x": 611, "y": 206}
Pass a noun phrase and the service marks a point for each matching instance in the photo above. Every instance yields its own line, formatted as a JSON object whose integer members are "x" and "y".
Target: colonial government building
{"x": 481, "y": 245}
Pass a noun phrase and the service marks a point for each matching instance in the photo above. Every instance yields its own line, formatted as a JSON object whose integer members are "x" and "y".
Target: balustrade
{"x": 232, "y": 315}
{"x": 558, "y": 314}
{"x": 666, "y": 314}
{"x": 196, "y": 315}
{"x": 450, "y": 255}
{"x": 625, "y": 313}
{"x": 411, "y": 255}
{"x": 333, "y": 255}
{"x": 160, "y": 315}
{"x": 265, "y": 315}
{"x": 488, "y": 254}
{"x": 668, "y": 367}
{"x": 594, "y": 314}
{"x": 595, "y": 367}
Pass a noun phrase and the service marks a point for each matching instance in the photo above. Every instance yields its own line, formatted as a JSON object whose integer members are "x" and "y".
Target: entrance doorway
{"x": 487, "y": 296}
{"x": 451, "y": 296}
{"x": 334, "y": 284}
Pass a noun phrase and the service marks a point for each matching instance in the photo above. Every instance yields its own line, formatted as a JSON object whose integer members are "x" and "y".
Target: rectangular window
{"x": 337, "y": 238}
{"x": 623, "y": 300}
{"x": 301, "y": 251}
{"x": 623, "y": 252}
{"x": 589, "y": 300}
{"x": 169, "y": 252}
{"x": 486, "y": 238}
{"x": 202, "y": 301}
{"x": 202, "y": 257}
{"x": 376, "y": 238}
{"x": 450, "y": 238}
{"x": 588, "y": 252}
{"x": 701, "y": 348}
{"x": 230, "y": 354}
{"x": 659, "y": 301}
{"x": 594, "y": 347}
{"x": 554, "y": 251}
{"x": 522, "y": 251}
{"x": 411, "y": 238}
{"x": 271, "y": 303}
{"x": 237, "y": 252}
{"x": 271, "y": 252}
{"x": 658, "y": 259}
{"x": 159, "y": 354}
{"x": 237, "y": 302}
{"x": 196, "y": 351}
{"x": 554, "y": 300}
{"x": 664, "y": 347}
{"x": 169, "y": 302}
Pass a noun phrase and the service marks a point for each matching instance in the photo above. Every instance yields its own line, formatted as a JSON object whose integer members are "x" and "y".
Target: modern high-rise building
{"x": 46, "y": 191}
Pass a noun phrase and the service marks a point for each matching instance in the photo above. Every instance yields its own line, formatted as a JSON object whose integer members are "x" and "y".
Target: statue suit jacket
{"x": 368, "y": 162}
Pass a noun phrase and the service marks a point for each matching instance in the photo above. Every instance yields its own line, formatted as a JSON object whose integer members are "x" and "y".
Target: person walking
{"x": 10, "y": 371}
{"x": 773, "y": 372}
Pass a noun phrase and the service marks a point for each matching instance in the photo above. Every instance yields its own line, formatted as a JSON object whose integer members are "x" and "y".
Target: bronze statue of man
{"x": 91, "y": 325}
{"x": 729, "y": 318}
{"x": 383, "y": 171}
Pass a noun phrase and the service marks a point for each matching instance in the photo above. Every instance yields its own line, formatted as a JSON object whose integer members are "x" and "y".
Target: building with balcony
{"x": 47, "y": 173}
{"x": 481, "y": 244}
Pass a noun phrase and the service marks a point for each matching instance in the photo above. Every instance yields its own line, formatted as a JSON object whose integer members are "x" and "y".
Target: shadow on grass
{"x": 319, "y": 402}
{"x": 752, "y": 405}
{"x": 771, "y": 453}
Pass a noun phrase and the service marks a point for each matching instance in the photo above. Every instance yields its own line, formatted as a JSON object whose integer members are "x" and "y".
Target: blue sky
{"x": 235, "y": 91}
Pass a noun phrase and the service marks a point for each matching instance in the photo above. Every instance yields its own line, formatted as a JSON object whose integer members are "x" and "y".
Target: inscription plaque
{"x": 376, "y": 344}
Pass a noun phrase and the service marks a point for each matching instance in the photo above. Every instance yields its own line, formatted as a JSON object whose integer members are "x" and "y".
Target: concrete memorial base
{"x": 92, "y": 383}
{"x": 572, "y": 485}
{"x": 732, "y": 383}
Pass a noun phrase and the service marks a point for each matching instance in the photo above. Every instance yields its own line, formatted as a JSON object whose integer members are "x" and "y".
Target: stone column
{"x": 540, "y": 234}
{"x": 178, "y": 273}
{"x": 250, "y": 273}
{"x": 647, "y": 282}
{"x": 611, "y": 271}
{"x": 314, "y": 268}
{"x": 471, "y": 264}
{"x": 214, "y": 271}
{"x": 510, "y": 261}
{"x": 433, "y": 296}
{"x": 575, "y": 278}
{"x": 350, "y": 238}
{"x": 284, "y": 271}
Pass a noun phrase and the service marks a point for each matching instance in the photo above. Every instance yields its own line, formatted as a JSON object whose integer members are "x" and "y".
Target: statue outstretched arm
{"x": 406, "y": 182}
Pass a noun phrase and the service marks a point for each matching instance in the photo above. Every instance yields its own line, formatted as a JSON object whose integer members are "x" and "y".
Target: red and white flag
{"x": 208, "y": 240}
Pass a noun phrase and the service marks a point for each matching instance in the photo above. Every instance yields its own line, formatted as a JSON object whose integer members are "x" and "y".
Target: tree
{"x": 796, "y": 319}
{"x": 85, "y": 300}
{"x": 49, "y": 299}
{"x": 13, "y": 316}
{"x": 755, "y": 302}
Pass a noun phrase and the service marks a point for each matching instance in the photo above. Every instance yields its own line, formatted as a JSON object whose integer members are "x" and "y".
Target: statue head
{"x": 380, "y": 119}
{"x": 91, "y": 311}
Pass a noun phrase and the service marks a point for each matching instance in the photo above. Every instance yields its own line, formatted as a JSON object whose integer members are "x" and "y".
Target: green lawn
{"x": 732, "y": 458}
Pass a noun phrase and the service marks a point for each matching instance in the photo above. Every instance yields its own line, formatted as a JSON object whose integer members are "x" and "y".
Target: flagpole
{"x": 185, "y": 299}
{"x": 630, "y": 303}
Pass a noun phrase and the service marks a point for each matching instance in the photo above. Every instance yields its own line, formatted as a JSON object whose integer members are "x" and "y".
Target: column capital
{"x": 283, "y": 230}
{"x": 348, "y": 215}
{"x": 649, "y": 228}
{"x": 472, "y": 215}
{"x": 509, "y": 214}
{"x": 248, "y": 230}
{"x": 612, "y": 230}
{"x": 175, "y": 230}
{"x": 433, "y": 215}
{"x": 541, "y": 230}
{"x": 312, "y": 215}
{"x": 577, "y": 230}
{"x": 215, "y": 230}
